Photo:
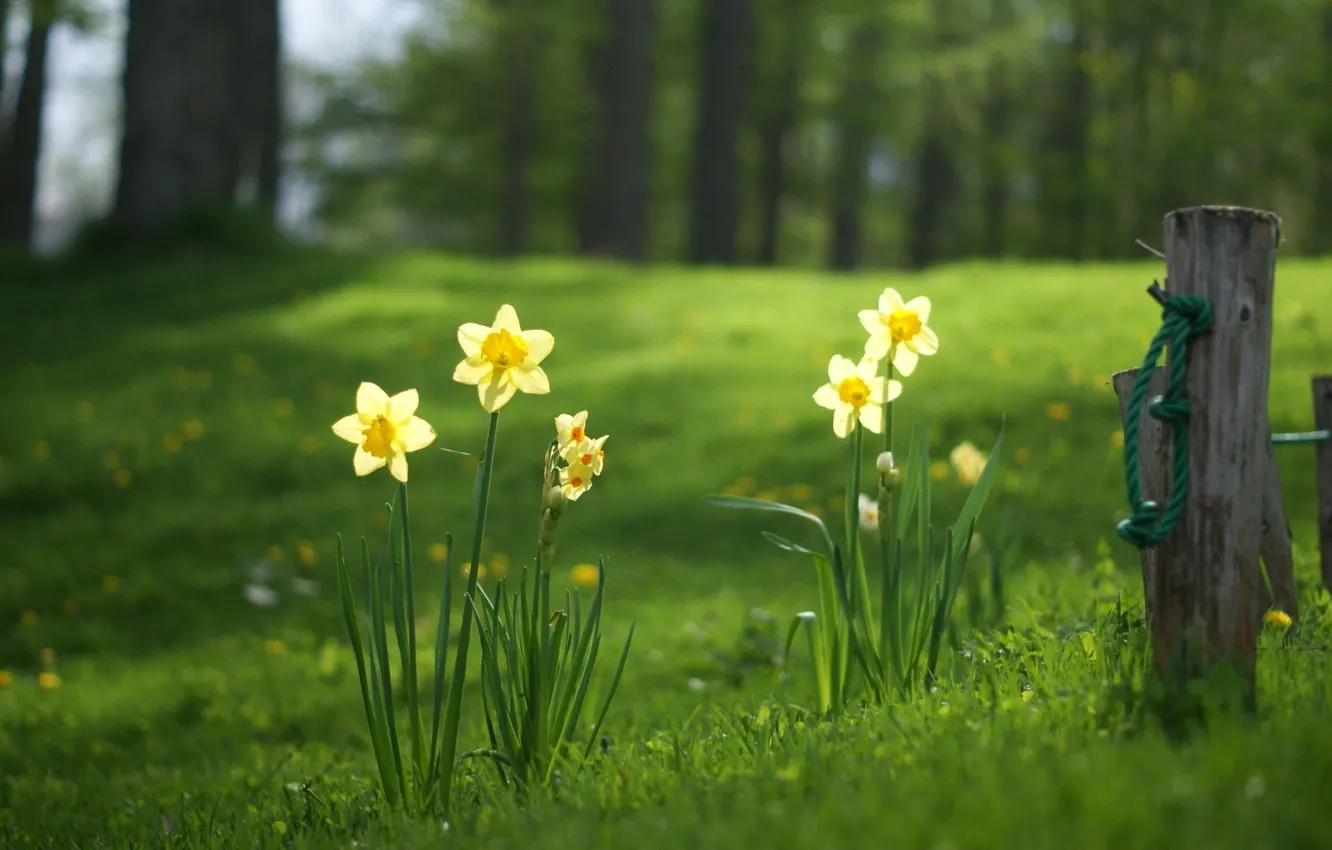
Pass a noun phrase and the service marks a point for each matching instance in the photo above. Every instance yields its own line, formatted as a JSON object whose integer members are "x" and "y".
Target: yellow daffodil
{"x": 897, "y": 330}
{"x": 384, "y": 429}
{"x": 503, "y": 359}
{"x": 570, "y": 430}
{"x": 855, "y": 392}
{"x": 587, "y": 453}
{"x": 575, "y": 480}
{"x": 968, "y": 462}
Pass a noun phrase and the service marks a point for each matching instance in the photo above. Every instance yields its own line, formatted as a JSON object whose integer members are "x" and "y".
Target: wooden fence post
{"x": 1275, "y": 548}
{"x": 1208, "y": 581}
{"x": 1322, "y": 398}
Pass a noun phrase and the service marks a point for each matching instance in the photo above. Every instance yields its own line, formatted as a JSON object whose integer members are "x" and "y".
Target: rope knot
{"x": 1176, "y": 410}
{"x": 1194, "y": 310}
{"x": 1140, "y": 529}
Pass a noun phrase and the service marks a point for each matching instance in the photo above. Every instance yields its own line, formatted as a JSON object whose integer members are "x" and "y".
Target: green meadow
{"x": 176, "y": 671}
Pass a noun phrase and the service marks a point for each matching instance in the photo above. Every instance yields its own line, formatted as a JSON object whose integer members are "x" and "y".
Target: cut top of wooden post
{"x": 1226, "y": 255}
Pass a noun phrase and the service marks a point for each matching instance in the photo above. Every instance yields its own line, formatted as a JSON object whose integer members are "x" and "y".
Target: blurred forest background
{"x": 833, "y": 133}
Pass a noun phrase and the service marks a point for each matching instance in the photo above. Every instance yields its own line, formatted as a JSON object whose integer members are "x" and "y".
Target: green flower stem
{"x": 454, "y": 715}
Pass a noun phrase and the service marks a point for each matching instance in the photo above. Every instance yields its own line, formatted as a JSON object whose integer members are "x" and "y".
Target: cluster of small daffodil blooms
{"x": 897, "y": 651}
{"x": 522, "y": 664}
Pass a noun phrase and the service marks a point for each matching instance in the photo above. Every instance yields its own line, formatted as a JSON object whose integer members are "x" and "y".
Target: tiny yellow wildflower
{"x": 111, "y": 459}
{"x": 1278, "y": 619}
{"x": 939, "y": 470}
{"x": 275, "y": 554}
{"x": 1117, "y": 440}
{"x": 48, "y": 681}
{"x": 437, "y": 552}
{"x": 800, "y": 492}
{"x": 42, "y": 450}
{"x": 6, "y": 679}
{"x": 48, "y": 656}
{"x": 968, "y": 461}
{"x": 283, "y": 407}
{"x": 898, "y": 330}
{"x": 244, "y": 364}
{"x": 1000, "y": 356}
{"x": 575, "y": 480}
{"x": 123, "y": 478}
{"x": 503, "y": 359}
{"x": 308, "y": 445}
{"x": 585, "y": 575}
{"x": 814, "y": 509}
{"x": 193, "y": 430}
{"x": 171, "y": 443}
{"x": 1059, "y": 411}
{"x": 275, "y": 647}
{"x": 1022, "y": 455}
{"x": 854, "y": 393}
{"x": 384, "y": 430}
{"x": 306, "y": 554}
{"x": 480, "y": 571}
{"x": 71, "y": 606}
{"x": 29, "y": 620}
{"x": 84, "y": 411}
{"x": 110, "y": 584}
{"x": 499, "y": 565}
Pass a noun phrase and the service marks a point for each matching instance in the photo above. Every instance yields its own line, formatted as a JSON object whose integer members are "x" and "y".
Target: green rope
{"x": 1185, "y": 318}
{"x": 1323, "y": 436}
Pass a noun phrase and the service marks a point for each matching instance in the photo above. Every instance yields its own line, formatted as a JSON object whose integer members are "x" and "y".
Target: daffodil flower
{"x": 587, "y": 453}
{"x": 384, "y": 429}
{"x": 897, "y": 330}
{"x": 869, "y": 513}
{"x": 855, "y": 392}
{"x": 575, "y": 480}
{"x": 503, "y": 359}
{"x": 570, "y": 430}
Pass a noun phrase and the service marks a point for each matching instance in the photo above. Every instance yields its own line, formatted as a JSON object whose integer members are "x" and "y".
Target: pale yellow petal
{"x": 904, "y": 360}
{"x": 370, "y": 399}
{"x": 350, "y": 428}
{"x": 839, "y": 369}
{"x": 507, "y": 320}
{"x": 366, "y": 463}
{"x": 530, "y": 378}
{"x": 470, "y": 337}
{"x": 926, "y": 342}
{"x": 878, "y": 345}
{"x": 894, "y": 389}
{"x": 473, "y": 370}
{"x": 889, "y": 301}
{"x": 495, "y": 393}
{"x": 415, "y": 434}
{"x": 826, "y": 396}
{"x": 920, "y": 305}
{"x": 872, "y": 321}
{"x": 871, "y": 416}
{"x": 403, "y": 405}
{"x": 398, "y": 466}
{"x": 844, "y": 419}
{"x": 867, "y": 368}
{"x": 876, "y": 390}
{"x": 565, "y": 424}
{"x": 539, "y": 344}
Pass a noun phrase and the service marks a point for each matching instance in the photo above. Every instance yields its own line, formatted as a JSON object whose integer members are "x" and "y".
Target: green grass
{"x": 208, "y": 387}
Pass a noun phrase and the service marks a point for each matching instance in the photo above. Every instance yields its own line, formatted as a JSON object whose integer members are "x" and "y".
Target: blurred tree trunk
{"x": 258, "y": 90}
{"x": 777, "y": 125}
{"x": 617, "y": 179}
{"x": 520, "y": 48}
{"x": 855, "y": 138}
{"x": 21, "y": 142}
{"x": 936, "y": 180}
{"x": 715, "y": 202}
{"x": 1321, "y": 226}
{"x": 178, "y": 149}
{"x": 1066, "y": 179}
{"x": 4, "y": 45}
{"x": 996, "y": 117}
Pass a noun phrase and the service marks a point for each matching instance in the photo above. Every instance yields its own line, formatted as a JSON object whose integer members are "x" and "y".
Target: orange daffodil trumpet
{"x": 583, "y": 455}
{"x": 855, "y": 393}
{"x": 503, "y": 359}
{"x": 898, "y": 331}
{"x": 384, "y": 429}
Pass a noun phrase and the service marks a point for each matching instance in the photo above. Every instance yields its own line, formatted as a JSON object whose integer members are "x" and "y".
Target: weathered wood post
{"x": 1322, "y": 399}
{"x": 1208, "y": 592}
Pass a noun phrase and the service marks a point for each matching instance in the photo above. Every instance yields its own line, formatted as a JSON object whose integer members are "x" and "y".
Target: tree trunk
{"x": 935, "y": 181}
{"x": 995, "y": 119}
{"x": 4, "y": 28}
{"x": 775, "y": 130}
{"x": 258, "y": 66}
{"x": 178, "y": 149}
{"x": 519, "y": 57}
{"x": 855, "y": 137}
{"x": 1320, "y": 229}
{"x": 21, "y": 145}
{"x": 1064, "y": 189}
{"x": 617, "y": 182}
{"x": 715, "y": 208}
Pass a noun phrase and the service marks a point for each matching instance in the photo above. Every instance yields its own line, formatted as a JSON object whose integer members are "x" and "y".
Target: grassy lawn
{"x": 166, "y": 428}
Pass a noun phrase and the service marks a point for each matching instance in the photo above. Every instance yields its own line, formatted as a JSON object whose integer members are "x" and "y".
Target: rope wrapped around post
{"x": 1183, "y": 319}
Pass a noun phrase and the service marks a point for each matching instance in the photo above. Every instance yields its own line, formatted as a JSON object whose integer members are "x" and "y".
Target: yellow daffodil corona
{"x": 384, "y": 429}
{"x": 503, "y": 359}
{"x": 575, "y": 480}
{"x": 855, "y": 392}
{"x": 587, "y": 453}
{"x": 898, "y": 331}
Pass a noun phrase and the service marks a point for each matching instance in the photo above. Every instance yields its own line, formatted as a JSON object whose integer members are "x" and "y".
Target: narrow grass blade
{"x": 385, "y": 670}
{"x": 377, "y": 742}
{"x": 751, "y": 504}
{"x": 610, "y": 694}
{"x": 409, "y": 587}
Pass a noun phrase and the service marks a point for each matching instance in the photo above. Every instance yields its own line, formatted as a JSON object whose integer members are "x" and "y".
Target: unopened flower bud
{"x": 556, "y": 501}
{"x": 885, "y": 463}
